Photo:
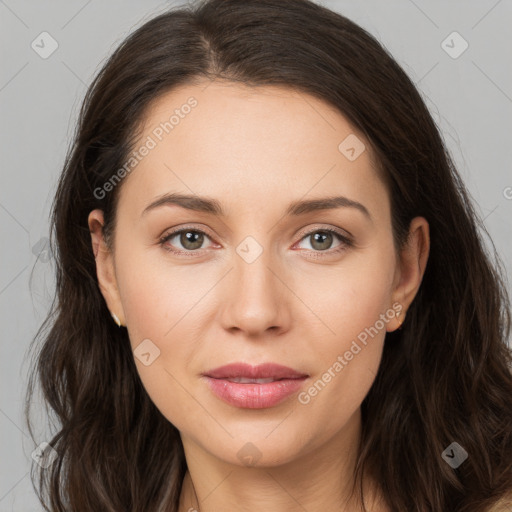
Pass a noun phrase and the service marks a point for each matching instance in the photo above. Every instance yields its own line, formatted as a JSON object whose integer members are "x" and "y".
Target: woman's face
{"x": 263, "y": 281}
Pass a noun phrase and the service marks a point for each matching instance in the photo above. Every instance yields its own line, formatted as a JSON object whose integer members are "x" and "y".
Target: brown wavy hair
{"x": 444, "y": 377}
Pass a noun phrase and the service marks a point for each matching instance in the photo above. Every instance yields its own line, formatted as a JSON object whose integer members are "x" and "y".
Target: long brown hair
{"x": 444, "y": 377}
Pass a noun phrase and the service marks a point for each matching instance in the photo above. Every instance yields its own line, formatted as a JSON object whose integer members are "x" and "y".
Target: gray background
{"x": 470, "y": 97}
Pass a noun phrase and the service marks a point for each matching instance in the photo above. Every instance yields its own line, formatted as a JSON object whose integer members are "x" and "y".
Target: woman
{"x": 306, "y": 316}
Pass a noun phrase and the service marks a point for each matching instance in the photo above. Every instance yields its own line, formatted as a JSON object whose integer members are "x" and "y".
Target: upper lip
{"x": 261, "y": 371}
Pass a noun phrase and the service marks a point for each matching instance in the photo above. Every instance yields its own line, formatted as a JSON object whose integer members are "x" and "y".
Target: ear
{"x": 413, "y": 259}
{"x": 105, "y": 270}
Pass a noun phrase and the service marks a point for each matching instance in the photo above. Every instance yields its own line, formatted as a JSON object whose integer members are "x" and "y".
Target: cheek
{"x": 346, "y": 370}
{"x": 157, "y": 296}
{"x": 351, "y": 296}
{"x": 169, "y": 306}
{"x": 162, "y": 310}
{"x": 348, "y": 358}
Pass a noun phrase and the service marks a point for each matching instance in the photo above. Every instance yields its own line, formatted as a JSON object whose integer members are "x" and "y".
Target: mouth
{"x": 254, "y": 387}
{"x": 245, "y": 380}
{"x": 264, "y": 371}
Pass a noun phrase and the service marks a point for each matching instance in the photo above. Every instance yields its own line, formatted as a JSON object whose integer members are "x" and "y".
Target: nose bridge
{"x": 255, "y": 298}
{"x": 252, "y": 263}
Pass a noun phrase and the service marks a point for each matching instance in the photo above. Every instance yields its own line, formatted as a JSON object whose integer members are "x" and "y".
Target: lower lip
{"x": 254, "y": 396}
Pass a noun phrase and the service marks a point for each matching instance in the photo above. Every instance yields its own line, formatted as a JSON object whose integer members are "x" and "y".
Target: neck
{"x": 319, "y": 479}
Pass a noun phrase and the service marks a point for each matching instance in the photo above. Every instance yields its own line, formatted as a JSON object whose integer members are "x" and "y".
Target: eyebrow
{"x": 214, "y": 207}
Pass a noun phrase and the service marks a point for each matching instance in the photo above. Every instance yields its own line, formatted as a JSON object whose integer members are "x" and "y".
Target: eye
{"x": 191, "y": 239}
{"x": 321, "y": 240}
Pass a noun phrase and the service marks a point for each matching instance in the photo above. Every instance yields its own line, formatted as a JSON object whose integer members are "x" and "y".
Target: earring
{"x": 116, "y": 319}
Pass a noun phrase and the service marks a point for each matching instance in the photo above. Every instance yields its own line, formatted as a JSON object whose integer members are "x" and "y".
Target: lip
{"x": 254, "y": 395}
{"x": 261, "y": 371}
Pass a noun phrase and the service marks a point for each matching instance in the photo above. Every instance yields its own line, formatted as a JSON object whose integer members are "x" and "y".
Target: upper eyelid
{"x": 185, "y": 228}
{"x": 339, "y": 231}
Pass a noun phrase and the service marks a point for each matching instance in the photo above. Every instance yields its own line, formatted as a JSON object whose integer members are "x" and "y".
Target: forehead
{"x": 253, "y": 145}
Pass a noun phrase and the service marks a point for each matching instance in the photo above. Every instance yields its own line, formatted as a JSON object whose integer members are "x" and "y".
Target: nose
{"x": 256, "y": 299}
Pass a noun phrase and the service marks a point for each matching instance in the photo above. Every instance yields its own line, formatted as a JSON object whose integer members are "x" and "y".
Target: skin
{"x": 256, "y": 150}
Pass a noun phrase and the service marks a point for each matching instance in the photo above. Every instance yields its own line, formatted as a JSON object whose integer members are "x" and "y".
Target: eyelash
{"x": 345, "y": 241}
